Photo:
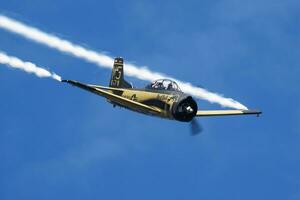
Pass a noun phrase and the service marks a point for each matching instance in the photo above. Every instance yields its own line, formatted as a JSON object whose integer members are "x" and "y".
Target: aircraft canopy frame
{"x": 164, "y": 84}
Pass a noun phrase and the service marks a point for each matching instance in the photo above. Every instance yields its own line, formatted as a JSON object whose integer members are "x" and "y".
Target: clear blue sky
{"x": 58, "y": 142}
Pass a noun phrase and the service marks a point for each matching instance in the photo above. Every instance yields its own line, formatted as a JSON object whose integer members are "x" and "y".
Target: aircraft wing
{"x": 113, "y": 97}
{"x": 208, "y": 113}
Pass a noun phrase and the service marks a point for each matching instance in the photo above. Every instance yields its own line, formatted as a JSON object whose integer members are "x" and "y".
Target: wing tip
{"x": 252, "y": 112}
{"x": 69, "y": 81}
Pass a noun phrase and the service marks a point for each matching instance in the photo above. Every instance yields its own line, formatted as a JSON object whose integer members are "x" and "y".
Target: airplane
{"x": 162, "y": 98}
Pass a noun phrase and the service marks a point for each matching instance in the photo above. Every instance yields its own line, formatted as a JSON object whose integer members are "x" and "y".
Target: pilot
{"x": 160, "y": 86}
{"x": 170, "y": 86}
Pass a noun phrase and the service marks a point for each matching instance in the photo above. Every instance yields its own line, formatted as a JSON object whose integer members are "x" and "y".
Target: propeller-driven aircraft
{"x": 162, "y": 98}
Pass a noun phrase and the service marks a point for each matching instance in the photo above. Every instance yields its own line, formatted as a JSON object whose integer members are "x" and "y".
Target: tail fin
{"x": 117, "y": 76}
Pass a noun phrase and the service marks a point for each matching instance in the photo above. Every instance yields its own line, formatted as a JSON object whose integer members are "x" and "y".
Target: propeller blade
{"x": 196, "y": 128}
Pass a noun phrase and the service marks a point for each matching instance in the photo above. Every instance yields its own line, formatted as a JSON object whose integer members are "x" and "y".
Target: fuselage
{"x": 165, "y": 103}
{"x": 168, "y": 102}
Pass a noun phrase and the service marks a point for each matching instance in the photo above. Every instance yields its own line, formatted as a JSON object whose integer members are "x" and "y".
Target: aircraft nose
{"x": 189, "y": 109}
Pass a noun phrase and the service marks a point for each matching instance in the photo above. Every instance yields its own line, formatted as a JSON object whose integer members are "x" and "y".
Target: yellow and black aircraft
{"x": 162, "y": 98}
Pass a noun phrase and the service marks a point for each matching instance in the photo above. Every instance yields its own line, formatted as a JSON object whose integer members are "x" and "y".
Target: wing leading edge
{"x": 211, "y": 113}
{"x": 113, "y": 97}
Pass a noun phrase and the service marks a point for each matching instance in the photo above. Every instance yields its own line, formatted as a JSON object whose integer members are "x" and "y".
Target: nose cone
{"x": 189, "y": 109}
{"x": 185, "y": 109}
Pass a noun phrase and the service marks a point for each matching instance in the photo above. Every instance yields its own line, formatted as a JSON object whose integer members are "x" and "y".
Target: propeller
{"x": 196, "y": 128}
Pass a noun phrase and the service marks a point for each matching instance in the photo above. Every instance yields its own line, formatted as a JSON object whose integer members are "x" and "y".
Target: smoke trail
{"x": 27, "y": 67}
{"x": 105, "y": 61}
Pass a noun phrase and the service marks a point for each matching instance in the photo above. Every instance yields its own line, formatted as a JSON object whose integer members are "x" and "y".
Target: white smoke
{"x": 105, "y": 61}
{"x": 26, "y": 66}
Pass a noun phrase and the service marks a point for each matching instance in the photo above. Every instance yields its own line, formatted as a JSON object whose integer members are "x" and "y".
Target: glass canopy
{"x": 164, "y": 84}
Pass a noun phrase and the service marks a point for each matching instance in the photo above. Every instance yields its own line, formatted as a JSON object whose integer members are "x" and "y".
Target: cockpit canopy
{"x": 164, "y": 84}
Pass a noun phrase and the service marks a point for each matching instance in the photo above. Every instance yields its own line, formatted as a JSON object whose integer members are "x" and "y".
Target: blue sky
{"x": 59, "y": 142}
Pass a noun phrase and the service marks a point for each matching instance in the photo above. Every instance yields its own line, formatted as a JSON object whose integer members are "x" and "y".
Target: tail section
{"x": 117, "y": 76}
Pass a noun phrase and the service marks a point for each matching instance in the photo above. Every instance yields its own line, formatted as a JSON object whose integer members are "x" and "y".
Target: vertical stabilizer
{"x": 117, "y": 76}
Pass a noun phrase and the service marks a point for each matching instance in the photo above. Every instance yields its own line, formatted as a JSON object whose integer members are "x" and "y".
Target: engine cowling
{"x": 185, "y": 109}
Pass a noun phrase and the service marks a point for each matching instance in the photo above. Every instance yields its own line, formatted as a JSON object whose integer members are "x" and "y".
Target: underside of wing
{"x": 104, "y": 92}
{"x": 208, "y": 113}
